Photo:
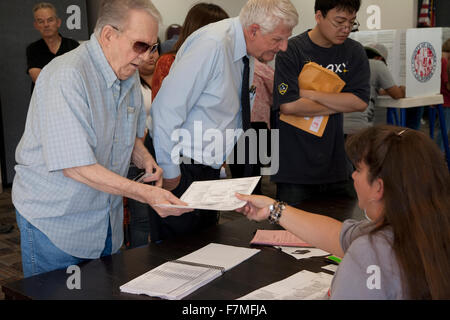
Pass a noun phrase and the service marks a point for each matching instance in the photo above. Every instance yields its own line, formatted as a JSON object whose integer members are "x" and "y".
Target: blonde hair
{"x": 268, "y": 14}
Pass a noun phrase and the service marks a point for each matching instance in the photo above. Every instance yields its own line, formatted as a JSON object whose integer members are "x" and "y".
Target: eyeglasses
{"x": 141, "y": 47}
{"x": 344, "y": 25}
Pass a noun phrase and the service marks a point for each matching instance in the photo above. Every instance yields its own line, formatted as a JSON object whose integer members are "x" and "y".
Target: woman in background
{"x": 200, "y": 15}
{"x": 146, "y": 73}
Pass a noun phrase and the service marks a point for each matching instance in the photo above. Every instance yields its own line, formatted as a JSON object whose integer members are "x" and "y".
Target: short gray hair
{"x": 115, "y": 12}
{"x": 268, "y": 14}
{"x": 45, "y": 5}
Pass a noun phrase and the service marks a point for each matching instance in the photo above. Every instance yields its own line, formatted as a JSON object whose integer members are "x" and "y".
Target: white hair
{"x": 115, "y": 12}
{"x": 268, "y": 14}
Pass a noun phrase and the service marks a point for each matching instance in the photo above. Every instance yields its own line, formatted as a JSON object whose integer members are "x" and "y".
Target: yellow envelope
{"x": 315, "y": 77}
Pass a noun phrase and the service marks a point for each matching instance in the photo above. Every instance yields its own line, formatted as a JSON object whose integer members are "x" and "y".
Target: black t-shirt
{"x": 305, "y": 158}
{"x": 39, "y": 55}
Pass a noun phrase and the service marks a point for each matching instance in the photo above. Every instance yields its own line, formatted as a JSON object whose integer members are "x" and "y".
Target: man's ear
{"x": 59, "y": 22}
{"x": 252, "y": 29}
{"x": 318, "y": 16}
{"x": 107, "y": 34}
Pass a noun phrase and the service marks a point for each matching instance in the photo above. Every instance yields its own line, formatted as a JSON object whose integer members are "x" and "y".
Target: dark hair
{"x": 200, "y": 15}
{"x": 372, "y": 54}
{"x": 416, "y": 199}
{"x": 172, "y": 30}
{"x": 326, "y": 5}
{"x": 159, "y": 45}
{"x": 145, "y": 84}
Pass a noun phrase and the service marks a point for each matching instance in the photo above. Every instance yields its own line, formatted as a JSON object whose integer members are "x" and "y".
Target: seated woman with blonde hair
{"x": 403, "y": 186}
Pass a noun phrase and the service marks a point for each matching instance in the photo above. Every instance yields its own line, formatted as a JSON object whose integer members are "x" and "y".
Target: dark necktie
{"x": 245, "y": 95}
{"x": 245, "y": 101}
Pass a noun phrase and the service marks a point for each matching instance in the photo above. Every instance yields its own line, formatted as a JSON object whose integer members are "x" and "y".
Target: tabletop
{"x": 101, "y": 278}
{"x": 388, "y": 102}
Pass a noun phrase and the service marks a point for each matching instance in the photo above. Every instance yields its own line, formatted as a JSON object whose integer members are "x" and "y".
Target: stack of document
{"x": 304, "y": 285}
{"x": 176, "y": 279}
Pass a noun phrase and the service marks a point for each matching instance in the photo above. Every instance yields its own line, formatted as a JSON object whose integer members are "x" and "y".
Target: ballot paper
{"x": 216, "y": 194}
{"x": 304, "y": 285}
{"x": 302, "y": 252}
{"x": 331, "y": 267}
{"x": 176, "y": 279}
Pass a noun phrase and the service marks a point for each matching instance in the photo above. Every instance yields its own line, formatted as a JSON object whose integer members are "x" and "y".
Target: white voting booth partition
{"x": 414, "y": 56}
{"x": 414, "y": 59}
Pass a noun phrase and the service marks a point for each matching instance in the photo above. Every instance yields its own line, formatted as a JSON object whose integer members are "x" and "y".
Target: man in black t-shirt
{"x": 312, "y": 166}
{"x": 52, "y": 44}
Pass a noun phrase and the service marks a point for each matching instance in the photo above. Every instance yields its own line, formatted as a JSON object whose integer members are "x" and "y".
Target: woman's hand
{"x": 256, "y": 208}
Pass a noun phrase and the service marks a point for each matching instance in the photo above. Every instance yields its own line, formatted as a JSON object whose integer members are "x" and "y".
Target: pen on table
{"x": 334, "y": 259}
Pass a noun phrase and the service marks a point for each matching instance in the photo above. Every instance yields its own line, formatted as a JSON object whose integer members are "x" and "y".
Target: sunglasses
{"x": 139, "y": 46}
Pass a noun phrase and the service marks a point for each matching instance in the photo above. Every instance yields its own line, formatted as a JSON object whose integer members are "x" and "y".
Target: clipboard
{"x": 315, "y": 77}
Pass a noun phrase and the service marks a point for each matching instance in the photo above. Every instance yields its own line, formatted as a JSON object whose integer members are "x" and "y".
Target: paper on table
{"x": 302, "y": 252}
{"x": 278, "y": 238}
{"x": 171, "y": 280}
{"x": 331, "y": 267}
{"x": 221, "y": 255}
{"x": 176, "y": 279}
{"x": 216, "y": 194}
{"x": 304, "y": 285}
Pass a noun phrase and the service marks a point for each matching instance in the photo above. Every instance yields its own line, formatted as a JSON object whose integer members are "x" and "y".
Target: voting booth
{"x": 414, "y": 56}
{"x": 414, "y": 59}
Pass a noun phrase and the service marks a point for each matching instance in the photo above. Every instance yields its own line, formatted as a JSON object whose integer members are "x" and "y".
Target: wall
{"x": 174, "y": 11}
{"x": 16, "y": 25}
{"x": 442, "y": 13}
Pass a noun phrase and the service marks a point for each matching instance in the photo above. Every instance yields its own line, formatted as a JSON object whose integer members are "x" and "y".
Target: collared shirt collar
{"x": 102, "y": 65}
{"x": 240, "y": 46}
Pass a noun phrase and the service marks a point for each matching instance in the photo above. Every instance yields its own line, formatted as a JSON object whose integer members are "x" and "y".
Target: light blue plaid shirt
{"x": 203, "y": 87}
{"x": 80, "y": 114}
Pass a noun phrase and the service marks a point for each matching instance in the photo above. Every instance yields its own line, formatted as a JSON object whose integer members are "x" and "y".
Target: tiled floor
{"x": 10, "y": 260}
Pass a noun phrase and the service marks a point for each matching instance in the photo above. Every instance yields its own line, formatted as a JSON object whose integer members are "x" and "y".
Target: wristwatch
{"x": 275, "y": 211}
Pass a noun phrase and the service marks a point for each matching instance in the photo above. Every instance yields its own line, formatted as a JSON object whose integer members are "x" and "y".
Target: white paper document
{"x": 176, "y": 279}
{"x": 216, "y": 194}
{"x": 302, "y": 252}
{"x": 221, "y": 255}
{"x": 331, "y": 267}
{"x": 304, "y": 285}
